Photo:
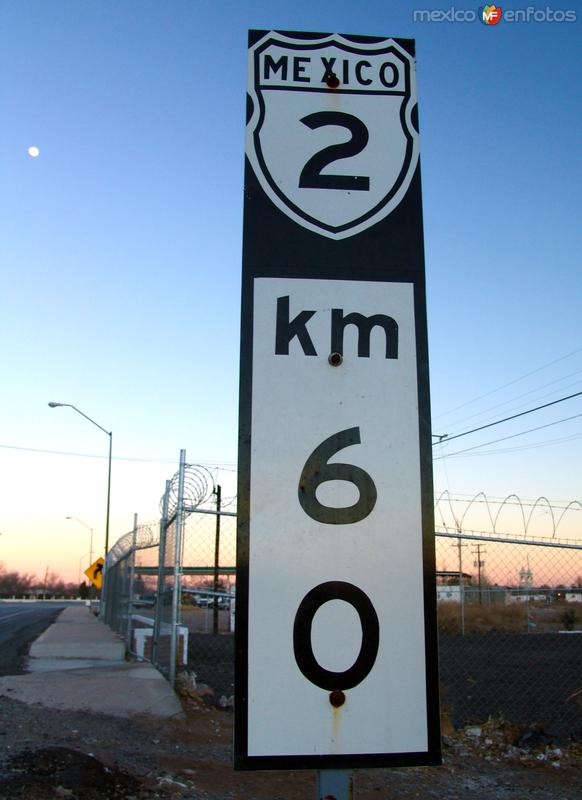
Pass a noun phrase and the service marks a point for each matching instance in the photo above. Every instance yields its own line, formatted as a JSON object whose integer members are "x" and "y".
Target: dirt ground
{"x": 535, "y": 681}
{"x": 45, "y": 753}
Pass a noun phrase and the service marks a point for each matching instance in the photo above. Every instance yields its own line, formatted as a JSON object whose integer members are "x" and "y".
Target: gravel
{"x": 533, "y": 680}
{"x": 46, "y": 753}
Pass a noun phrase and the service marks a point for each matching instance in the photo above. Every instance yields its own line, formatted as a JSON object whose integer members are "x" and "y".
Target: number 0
{"x": 303, "y": 649}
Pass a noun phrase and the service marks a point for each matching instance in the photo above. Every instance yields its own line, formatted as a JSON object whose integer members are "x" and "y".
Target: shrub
{"x": 568, "y": 619}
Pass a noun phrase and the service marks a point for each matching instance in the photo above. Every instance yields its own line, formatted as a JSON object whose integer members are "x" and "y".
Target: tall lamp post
{"x": 110, "y": 434}
{"x": 84, "y": 524}
{"x": 79, "y": 568}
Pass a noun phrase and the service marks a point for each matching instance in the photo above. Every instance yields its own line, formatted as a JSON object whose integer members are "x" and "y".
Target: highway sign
{"x": 95, "y": 572}
{"x": 300, "y": 146}
{"x": 336, "y": 634}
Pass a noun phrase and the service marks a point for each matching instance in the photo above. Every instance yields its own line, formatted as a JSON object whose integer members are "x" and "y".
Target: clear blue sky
{"x": 120, "y": 248}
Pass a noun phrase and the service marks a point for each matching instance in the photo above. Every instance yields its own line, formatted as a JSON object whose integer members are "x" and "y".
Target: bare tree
{"x": 14, "y": 583}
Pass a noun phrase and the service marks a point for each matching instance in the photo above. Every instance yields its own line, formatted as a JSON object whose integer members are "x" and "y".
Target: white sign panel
{"x": 299, "y": 401}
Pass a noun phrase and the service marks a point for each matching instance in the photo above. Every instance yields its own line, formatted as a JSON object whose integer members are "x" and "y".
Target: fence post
{"x": 334, "y": 784}
{"x": 131, "y": 580}
{"x": 177, "y": 568}
{"x": 459, "y": 546}
{"x": 103, "y": 596}
{"x": 104, "y": 612}
{"x": 161, "y": 576}
{"x": 216, "y": 561}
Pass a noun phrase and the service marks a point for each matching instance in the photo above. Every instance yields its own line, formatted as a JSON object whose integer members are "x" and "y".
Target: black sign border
{"x": 300, "y": 253}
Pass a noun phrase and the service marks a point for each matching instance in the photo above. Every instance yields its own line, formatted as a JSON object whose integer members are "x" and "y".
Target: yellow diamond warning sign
{"x": 95, "y": 572}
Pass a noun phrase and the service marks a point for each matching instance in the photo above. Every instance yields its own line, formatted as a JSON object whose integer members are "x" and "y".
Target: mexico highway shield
{"x": 360, "y": 140}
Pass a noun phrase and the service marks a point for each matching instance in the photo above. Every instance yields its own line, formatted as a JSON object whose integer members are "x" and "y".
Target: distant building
{"x": 449, "y": 585}
{"x": 451, "y": 577}
{"x": 448, "y": 594}
{"x": 525, "y": 577}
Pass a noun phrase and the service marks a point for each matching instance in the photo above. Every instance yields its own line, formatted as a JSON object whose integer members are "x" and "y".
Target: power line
{"x": 525, "y": 394}
{"x": 512, "y": 436}
{"x": 86, "y": 455}
{"x": 544, "y": 443}
{"x": 227, "y": 466}
{"x": 516, "y": 449}
{"x": 507, "y": 419}
{"x": 510, "y": 383}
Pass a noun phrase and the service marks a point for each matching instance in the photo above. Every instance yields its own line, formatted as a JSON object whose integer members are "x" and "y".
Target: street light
{"x": 91, "y": 537}
{"x": 79, "y": 568}
{"x": 110, "y": 434}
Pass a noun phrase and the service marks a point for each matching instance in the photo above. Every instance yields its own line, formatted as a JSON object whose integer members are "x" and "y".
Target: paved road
{"x": 20, "y": 625}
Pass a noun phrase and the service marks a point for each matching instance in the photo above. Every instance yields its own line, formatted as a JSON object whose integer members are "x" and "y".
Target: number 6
{"x": 317, "y": 471}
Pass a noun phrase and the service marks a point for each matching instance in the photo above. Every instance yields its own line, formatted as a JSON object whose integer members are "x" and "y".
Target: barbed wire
{"x": 146, "y": 535}
{"x": 198, "y": 489}
{"x": 490, "y": 504}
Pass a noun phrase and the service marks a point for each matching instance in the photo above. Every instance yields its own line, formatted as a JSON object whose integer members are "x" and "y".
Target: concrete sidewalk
{"x": 79, "y": 664}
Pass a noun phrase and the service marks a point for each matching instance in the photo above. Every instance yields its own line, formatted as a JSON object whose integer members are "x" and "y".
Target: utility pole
{"x": 479, "y": 549}
{"x": 459, "y": 547}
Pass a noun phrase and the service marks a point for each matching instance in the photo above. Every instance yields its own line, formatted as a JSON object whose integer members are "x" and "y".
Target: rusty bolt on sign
{"x": 335, "y": 359}
{"x": 337, "y": 698}
{"x": 333, "y": 81}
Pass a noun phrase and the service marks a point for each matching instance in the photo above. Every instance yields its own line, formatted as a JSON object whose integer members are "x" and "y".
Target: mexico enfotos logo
{"x": 492, "y": 15}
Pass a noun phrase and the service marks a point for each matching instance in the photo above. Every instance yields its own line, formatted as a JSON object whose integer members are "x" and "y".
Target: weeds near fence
{"x": 533, "y": 617}
{"x": 481, "y": 619}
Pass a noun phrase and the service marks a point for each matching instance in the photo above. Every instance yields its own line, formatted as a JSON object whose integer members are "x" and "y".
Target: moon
{"x": 33, "y": 151}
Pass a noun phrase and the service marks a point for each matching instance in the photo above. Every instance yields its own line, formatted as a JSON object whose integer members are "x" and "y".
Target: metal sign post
{"x": 334, "y": 784}
{"x": 336, "y": 645}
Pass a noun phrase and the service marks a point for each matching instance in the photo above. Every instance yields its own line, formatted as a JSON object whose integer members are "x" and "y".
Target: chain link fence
{"x": 129, "y": 589}
{"x": 169, "y": 587}
{"x": 510, "y": 631}
{"x": 208, "y": 597}
{"x": 509, "y": 612}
